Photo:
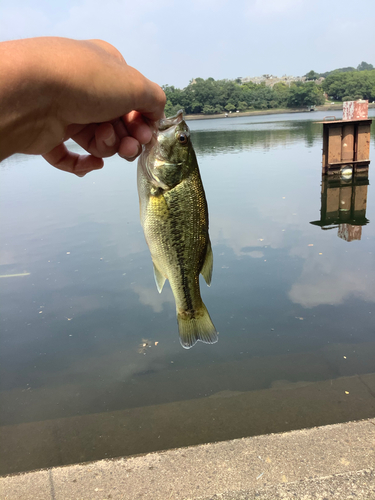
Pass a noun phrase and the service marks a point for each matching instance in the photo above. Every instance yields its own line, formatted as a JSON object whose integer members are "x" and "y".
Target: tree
{"x": 171, "y": 110}
{"x": 242, "y": 106}
{"x": 312, "y": 75}
{"x": 196, "y": 107}
{"x": 305, "y": 94}
{"x": 230, "y": 107}
{"x": 364, "y": 66}
{"x": 351, "y": 84}
{"x": 208, "y": 110}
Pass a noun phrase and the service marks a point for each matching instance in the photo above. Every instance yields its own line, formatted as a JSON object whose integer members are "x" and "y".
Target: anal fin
{"x": 208, "y": 264}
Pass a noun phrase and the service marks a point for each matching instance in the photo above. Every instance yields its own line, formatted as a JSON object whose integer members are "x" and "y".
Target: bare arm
{"x": 53, "y": 89}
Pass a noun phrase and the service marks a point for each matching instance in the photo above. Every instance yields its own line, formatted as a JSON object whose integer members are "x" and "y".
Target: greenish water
{"x": 290, "y": 301}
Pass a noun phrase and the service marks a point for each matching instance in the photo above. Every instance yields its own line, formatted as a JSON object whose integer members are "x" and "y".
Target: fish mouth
{"x": 166, "y": 123}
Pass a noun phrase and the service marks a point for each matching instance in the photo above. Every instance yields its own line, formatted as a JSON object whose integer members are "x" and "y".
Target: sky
{"x": 172, "y": 42}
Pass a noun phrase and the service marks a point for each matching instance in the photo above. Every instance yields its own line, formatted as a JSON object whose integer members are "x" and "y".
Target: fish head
{"x": 166, "y": 158}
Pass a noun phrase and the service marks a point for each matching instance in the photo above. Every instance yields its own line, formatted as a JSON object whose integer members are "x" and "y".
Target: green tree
{"x": 364, "y": 66}
{"x": 208, "y": 110}
{"x": 196, "y": 107}
{"x": 171, "y": 110}
{"x": 312, "y": 75}
{"x": 354, "y": 83}
{"x": 242, "y": 106}
{"x": 230, "y": 107}
{"x": 305, "y": 94}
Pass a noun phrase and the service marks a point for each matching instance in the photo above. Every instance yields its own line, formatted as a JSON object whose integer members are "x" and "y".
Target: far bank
{"x": 325, "y": 107}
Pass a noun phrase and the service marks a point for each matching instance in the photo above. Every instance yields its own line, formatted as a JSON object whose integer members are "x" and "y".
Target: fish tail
{"x": 196, "y": 326}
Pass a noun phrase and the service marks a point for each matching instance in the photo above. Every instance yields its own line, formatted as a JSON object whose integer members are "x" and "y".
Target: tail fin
{"x": 199, "y": 327}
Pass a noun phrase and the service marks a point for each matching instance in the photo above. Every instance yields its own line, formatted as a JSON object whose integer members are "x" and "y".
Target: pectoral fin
{"x": 159, "y": 279}
{"x": 208, "y": 265}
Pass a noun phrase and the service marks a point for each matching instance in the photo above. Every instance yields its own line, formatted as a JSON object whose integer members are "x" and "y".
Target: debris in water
{"x": 14, "y": 275}
{"x": 144, "y": 345}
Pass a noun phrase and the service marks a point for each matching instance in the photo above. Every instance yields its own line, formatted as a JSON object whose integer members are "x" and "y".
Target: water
{"x": 294, "y": 304}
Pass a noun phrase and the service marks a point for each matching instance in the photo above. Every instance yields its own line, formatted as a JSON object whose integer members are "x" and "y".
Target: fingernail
{"x": 132, "y": 158}
{"x": 110, "y": 141}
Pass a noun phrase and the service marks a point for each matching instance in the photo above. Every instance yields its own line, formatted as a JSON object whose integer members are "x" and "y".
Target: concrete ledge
{"x": 336, "y": 461}
{"x": 352, "y": 485}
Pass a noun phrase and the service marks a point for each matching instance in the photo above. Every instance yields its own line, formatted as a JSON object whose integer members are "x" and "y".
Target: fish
{"x": 174, "y": 217}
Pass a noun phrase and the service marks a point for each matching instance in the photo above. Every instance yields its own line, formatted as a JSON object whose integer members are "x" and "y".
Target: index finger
{"x": 149, "y": 97}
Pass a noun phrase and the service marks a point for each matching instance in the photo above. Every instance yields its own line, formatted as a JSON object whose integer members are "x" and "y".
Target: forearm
{"x": 26, "y": 98}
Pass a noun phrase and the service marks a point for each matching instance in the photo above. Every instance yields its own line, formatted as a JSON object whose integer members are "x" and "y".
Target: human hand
{"x": 82, "y": 90}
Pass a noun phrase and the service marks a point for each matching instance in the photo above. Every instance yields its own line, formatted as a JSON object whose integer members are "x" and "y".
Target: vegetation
{"x": 224, "y": 96}
{"x": 211, "y": 96}
{"x": 351, "y": 85}
{"x": 364, "y": 66}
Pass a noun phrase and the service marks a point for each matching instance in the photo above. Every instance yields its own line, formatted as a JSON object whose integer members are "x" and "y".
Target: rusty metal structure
{"x": 347, "y": 141}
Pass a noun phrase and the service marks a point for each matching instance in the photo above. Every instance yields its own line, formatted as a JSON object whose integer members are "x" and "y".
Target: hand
{"x": 82, "y": 90}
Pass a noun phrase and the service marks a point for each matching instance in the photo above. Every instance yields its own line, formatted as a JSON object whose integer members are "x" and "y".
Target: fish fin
{"x": 199, "y": 327}
{"x": 208, "y": 264}
{"x": 159, "y": 279}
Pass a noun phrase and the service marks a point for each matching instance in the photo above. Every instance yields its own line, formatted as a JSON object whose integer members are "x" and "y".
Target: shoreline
{"x": 306, "y": 463}
{"x": 324, "y": 107}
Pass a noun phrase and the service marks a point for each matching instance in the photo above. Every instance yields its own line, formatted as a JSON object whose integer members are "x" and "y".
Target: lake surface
{"x": 294, "y": 304}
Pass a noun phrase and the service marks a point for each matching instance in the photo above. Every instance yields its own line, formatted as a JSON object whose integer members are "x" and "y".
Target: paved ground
{"x": 331, "y": 462}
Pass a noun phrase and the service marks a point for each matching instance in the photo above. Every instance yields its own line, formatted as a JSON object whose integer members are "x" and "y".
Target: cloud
{"x": 150, "y": 297}
{"x": 331, "y": 279}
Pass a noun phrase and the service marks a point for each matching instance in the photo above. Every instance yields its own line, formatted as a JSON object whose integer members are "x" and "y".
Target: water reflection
{"x": 343, "y": 203}
{"x": 259, "y": 136}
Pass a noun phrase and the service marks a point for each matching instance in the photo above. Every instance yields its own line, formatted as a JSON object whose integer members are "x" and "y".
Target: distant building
{"x": 270, "y": 80}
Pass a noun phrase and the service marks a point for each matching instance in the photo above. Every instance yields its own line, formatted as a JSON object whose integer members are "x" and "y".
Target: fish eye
{"x": 183, "y": 138}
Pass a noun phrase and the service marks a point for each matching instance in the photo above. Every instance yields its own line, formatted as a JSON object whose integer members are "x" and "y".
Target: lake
{"x": 91, "y": 363}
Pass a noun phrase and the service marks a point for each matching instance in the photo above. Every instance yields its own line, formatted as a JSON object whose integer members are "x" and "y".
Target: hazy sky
{"x": 174, "y": 41}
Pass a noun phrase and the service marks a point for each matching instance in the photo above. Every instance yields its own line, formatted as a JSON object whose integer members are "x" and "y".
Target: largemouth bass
{"x": 174, "y": 217}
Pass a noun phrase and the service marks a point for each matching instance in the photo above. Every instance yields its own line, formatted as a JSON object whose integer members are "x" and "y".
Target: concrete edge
{"x": 339, "y": 457}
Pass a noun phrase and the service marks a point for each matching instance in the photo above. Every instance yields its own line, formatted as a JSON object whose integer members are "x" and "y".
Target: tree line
{"x": 363, "y": 66}
{"x": 351, "y": 85}
{"x": 223, "y": 96}
{"x": 219, "y": 96}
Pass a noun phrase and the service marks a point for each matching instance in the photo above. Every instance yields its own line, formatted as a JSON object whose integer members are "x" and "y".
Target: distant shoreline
{"x": 325, "y": 107}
